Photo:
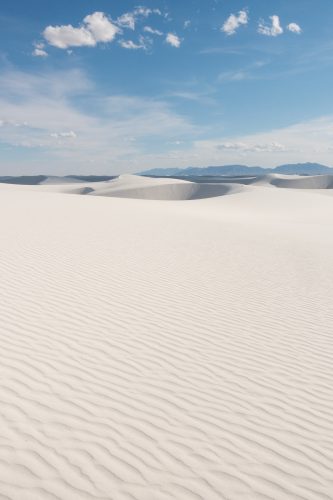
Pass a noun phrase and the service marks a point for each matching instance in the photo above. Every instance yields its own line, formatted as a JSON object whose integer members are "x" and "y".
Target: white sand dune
{"x": 144, "y": 188}
{"x": 158, "y": 350}
{"x": 296, "y": 181}
{"x": 130, "y": 186}
{"x": 152, "y": 188}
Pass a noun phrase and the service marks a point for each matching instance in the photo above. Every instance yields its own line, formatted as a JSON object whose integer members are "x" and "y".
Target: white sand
{"x": 159, "y": 350}
{"x": 144, "y": 188}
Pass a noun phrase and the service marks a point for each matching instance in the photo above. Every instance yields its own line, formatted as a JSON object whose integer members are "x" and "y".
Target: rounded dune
{"x": 136, "y": 187}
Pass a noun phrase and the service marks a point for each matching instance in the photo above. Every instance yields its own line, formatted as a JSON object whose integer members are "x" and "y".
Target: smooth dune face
{"x": 158, "y": 350}
{"x": 186, "y": 188}
{"x": 144, "y": 188}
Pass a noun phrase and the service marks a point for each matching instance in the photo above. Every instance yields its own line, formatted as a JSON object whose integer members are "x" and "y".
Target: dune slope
{"x": 144, "y": 188}
{"x": 158, "y": 350}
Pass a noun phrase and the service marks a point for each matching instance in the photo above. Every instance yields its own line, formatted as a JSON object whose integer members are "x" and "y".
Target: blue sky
{"x": 109, "y": 86}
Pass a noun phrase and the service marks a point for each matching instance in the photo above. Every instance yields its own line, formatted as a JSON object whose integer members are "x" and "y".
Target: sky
{"x": 116, "y": 86}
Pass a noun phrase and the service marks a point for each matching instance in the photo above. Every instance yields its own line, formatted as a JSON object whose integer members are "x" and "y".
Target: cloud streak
{"x": 151, "y": 31}
{"x": 308, "y": 141}
{"x": 144, "y": 44}
{"x": 272, "y": 147}
{"x": 119, "y": 130}
{"x": 64, "y": 135}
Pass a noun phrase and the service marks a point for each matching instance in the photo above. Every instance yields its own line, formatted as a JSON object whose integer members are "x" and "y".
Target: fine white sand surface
{"x": 154, "y": 346}
{"x": 144, "y": 188}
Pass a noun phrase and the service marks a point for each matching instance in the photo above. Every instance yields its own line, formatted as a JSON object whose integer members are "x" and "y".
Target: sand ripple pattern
{"x": 166, "y": 350}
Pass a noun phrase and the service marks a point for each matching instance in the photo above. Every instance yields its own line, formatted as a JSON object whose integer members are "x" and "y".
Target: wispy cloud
{"x": 152, "y": 31}
{"x": 249, "y": 72}
{"x": 35, "y": 107}
{"x": 145, "y": 11}
{"x": 144, "y": 43}
{"x": 302, "y": 142}
{"x": 64, "y": 135}
{"x": 130, "y": 45}
{"x": 233, "y": 76}
{"x": 271, "y": 147}
{"x": 129, "y": 19}
{"x": 274, "y": 29}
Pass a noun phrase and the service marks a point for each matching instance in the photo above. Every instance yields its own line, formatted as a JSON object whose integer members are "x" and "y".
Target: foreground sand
{"x": 158, "y": 350}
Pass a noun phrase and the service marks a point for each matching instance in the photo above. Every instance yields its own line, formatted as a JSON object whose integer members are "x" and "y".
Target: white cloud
{"x": 187, "y": 24}
{"x": 96, "y": 28}
{"x": 39, "y": 45}
{"x": 145, "y": 12}
{"x": 144, "y": 44}
{"x": 127, "y": 20}
{"x": 129, "y": 44}
{"x": 234, "y": 22}
{"x": 294, "y": 28}
{"x": 102, "y": 29}
{"x": 64, "y": 135}
{"x": 252, "y": 148}
{"x": 39, "y": 53}
{"x": 39, "y": 50}
{"x": 274, "y": 29}
{"x": 63, "y": 37}
{"x": 173, "y": 40}
{"x": 152, "y": 31}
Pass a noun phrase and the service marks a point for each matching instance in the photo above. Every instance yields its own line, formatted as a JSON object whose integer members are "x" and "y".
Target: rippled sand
{"x": 166, "y": 349}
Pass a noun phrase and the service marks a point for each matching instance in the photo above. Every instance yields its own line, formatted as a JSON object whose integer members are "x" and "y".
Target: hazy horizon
{"x": 309, "y": 169}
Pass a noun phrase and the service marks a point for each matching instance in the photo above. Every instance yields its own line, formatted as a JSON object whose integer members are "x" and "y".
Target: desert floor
{"x": 170, "y": 348}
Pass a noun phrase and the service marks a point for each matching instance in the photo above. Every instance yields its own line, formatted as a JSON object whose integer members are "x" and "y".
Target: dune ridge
{"x": 178, "y": 188}
{"x": 144, "y": 188}
{"x": 191, "y": 188}
{"x": 158, "y": 350}
{"x": 276, "y": 180}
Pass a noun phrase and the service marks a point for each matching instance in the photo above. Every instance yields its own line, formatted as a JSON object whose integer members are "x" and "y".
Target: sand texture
{"x": 161, "y": 339}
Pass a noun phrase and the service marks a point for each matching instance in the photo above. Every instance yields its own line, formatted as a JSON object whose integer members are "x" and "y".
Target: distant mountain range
{"x": 231, "y": 170}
